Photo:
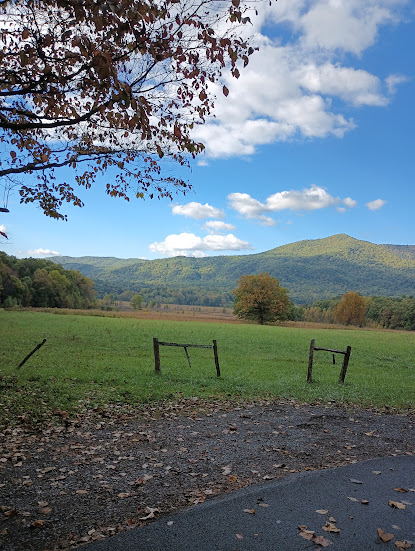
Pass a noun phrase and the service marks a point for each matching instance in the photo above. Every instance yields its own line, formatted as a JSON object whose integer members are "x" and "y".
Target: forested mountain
{"x": 310, "y": 270}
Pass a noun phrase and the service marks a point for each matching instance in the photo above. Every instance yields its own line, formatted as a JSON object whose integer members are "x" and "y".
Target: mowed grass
{"x": 92, "y": 361}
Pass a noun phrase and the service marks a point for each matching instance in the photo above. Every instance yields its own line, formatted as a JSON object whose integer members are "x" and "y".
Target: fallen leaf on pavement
{"x": 227, "y": 470}
{"x": 250, "y": 511}
{"x": 81, "y": 492}
{"x": 364, "y": 501}
{"x": 239, "y": 536}
{"x": 353, "y": 499}
{"x": 396, "y": 504}
{"x": 306, "y": 534}
{"x": 330, "y": 527}
{"x": 403, "y": 490}
{"x": 322, "y": 511}
{"x": 355, "y": 481}
{"x": 404, "y": 544}
{"x": 384, "y": 536}
{"x": 321, "y": 540}
{"x": 37, "y": 524}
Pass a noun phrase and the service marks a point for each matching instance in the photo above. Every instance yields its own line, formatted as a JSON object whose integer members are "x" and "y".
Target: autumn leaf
{"x": 355, "y": 481}
{"x": 353, "y": 499}
{"x": 384, "y": 536}
{"x": 151, "y": 513}
{"x": 37, "y": 524}
{"x": 227, "y": 470}
{"x": 321, "y": 540}
{"x": 306, "y": 534}
{"x": 322, "y": 511}
{"x": 225, "y": 91}
{"x": 364, "y": 502}
{"x": 81, "y": 492}
{"x": 330, "y": 527}
{"x": 402, "y": 490}
{"x": 233, "y": 478}
{"x": 239, "y": 536}
{"x": 396, "y": 504}
{"x": 404, "y": 544}
{"x": 250, "y": 511}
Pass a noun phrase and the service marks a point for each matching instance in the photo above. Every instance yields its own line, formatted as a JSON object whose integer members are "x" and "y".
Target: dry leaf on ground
{"x": 384, "y": 536}
{"x": 396, "y": 504}
{"x": 404, "y": 544}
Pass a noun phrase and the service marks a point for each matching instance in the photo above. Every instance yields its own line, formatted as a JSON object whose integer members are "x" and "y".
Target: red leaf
{"x": 225, "y": 91}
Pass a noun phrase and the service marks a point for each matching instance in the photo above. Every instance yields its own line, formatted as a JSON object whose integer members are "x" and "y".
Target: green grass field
{"x": 96, "y": 360}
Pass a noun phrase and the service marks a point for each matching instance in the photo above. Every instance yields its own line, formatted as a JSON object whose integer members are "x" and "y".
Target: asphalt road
{"x": 267, "y": 517}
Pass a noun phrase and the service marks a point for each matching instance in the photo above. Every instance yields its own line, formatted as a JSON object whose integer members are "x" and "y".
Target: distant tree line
{"x": 31, "y": 282}
{"x": 353, "y": 309}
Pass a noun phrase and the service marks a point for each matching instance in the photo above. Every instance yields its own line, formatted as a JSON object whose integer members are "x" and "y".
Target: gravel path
{"x": 89, "y": 478}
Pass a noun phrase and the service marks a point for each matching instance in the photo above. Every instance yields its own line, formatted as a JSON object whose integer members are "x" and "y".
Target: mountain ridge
{"x": 310, "y": 269}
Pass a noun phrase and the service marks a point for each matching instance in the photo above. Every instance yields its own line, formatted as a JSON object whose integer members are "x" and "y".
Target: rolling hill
{"x": 310, "y": 270}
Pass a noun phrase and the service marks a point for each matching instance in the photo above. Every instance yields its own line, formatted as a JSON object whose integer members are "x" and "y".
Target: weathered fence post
{"x": 31, "y": 353}
{"x": 156, "y": 354}
{"x": 345, "y": 364}
{"x": 310, "y": 361}
{"x": 215, "y": 353}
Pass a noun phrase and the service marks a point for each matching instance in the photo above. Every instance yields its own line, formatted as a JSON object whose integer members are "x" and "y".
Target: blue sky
{"x": 315, "y": 138}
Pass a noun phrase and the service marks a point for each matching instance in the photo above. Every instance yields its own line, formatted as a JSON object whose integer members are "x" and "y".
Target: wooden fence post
{"x": 31, "y": 354}
{"x": 156, "y": 354}
{"x": 215, "y": 353}
{"x": 345, "y": 364}
{"x": 310, "y": 361}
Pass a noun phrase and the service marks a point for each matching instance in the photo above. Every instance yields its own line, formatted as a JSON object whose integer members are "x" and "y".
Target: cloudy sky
{"x": 315, "y": 138}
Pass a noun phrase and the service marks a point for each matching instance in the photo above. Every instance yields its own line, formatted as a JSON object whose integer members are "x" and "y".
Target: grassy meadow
{"x": 92, "y": 361}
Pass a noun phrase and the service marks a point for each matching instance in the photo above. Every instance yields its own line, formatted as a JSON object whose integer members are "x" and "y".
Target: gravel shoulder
{"x": 89, "y": 478}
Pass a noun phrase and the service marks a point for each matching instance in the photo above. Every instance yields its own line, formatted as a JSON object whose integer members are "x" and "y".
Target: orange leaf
{"x": 384, "y": 536}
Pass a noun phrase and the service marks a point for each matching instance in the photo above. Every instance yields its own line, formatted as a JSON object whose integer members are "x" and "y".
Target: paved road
{"x": 280, "y": 507}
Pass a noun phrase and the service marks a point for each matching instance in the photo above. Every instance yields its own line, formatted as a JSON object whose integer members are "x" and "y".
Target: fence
{"x": 343, "y": 370}
{"x": 157, "y": 344}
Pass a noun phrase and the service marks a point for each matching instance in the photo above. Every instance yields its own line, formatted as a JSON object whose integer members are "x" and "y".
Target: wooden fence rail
{"x": 346, "y": 358}
{"x": 157, "y": 344}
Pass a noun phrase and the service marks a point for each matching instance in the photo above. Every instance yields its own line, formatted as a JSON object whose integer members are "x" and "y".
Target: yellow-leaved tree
{"x": 351, "y": 309}
{"x": 260, "y": 298}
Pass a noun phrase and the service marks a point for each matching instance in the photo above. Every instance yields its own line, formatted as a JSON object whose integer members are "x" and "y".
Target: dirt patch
{"x": 106, "y": 472}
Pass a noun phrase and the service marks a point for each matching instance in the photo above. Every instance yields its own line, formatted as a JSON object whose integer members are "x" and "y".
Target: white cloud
{"x": 392, "y": 81}
{"x": 214, "y": 226}
{"x": 307, "y": 199}
{"x": 349, "y": 202}
{"x": 300, "y": 88}
{"x": 249, "y": 207}
{"x": 350, "y": 26}
{"x": 42, "y": 252}
{"x": 376, "y": 204}
{"x": 198, "y": 211}
{"x": 202, "y": 162}
{"x": 189, "y": 244}
{"x": 353, "y": 86}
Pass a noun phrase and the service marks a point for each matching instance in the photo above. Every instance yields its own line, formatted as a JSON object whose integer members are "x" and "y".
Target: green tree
{"x": 260, "y": 298}
{"x": 98, "y": 86}
{"x": 137, "y": 302}
{"x": 351, "y": 309}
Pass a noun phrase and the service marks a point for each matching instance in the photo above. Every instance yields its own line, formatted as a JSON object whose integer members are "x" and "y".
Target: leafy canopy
{"x": 260, "y": 298}
{"x": 351, "y": 309}
{"x": 116, "y": 84}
